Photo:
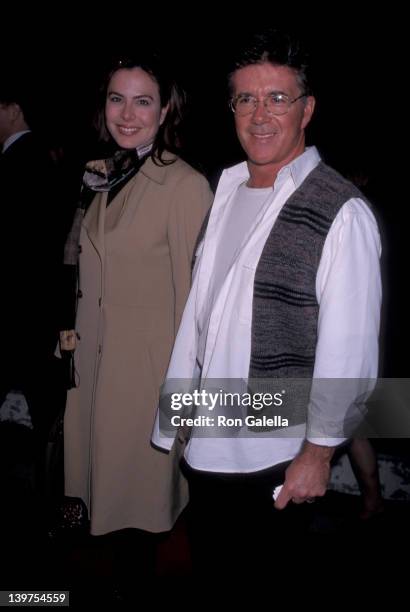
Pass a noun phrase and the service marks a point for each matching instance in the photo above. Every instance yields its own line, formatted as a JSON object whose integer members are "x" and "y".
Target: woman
{"x": 136, "y": 244}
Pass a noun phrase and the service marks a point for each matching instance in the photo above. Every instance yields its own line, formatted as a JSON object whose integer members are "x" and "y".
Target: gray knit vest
{"x": 285, "y": 308}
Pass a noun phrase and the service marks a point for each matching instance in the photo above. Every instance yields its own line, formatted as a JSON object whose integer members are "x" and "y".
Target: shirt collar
{"x": 297, "y": 169}
{"x": 301, "y": 166}
{"x": 11, "y": 139}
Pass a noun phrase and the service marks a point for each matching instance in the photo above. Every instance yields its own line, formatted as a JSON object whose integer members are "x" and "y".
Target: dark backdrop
{"x": 360, "y": 85}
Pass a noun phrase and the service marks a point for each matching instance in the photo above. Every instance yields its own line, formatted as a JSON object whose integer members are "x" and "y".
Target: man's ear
{"x": 15, "y": 111}
{"x": 15, "y": 115}
{"x": 308, "y": 110}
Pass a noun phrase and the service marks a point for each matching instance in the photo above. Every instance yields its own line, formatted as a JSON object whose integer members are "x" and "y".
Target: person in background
{"x": 31, "y": 248}
{"x": 361, "y": 452}
{"x": 363, "y": 459}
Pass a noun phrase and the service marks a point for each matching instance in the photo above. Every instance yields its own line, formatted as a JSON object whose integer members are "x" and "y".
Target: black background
{"x": 360, "y": 78}
{"x": 358, "y": 83}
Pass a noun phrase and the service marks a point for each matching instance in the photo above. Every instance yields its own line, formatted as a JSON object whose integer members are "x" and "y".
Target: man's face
{"x": 6, "y": 122}
{"x": 271, "y": 140}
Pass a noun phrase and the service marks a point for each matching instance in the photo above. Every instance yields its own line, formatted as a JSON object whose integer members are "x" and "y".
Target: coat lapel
{"x": 122, "y": 209}
{"x": 101, "y": 222}
{"x": 94, "y": 222}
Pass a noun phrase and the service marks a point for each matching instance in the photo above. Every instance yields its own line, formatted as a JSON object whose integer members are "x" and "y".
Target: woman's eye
{"x": 143, "y": 102}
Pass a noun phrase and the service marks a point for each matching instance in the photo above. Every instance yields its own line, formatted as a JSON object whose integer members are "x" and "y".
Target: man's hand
{"x": 307, "y": 476}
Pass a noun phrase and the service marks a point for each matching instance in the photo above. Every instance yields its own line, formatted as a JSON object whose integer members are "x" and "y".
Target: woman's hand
{"x": 67, "y": 340}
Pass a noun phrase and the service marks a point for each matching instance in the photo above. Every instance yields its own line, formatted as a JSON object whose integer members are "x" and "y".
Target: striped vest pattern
{"x": 285, "y": 309}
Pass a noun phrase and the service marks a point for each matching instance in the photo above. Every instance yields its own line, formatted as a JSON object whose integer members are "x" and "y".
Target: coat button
{"x": 80, "y": 248}
{"x": 78, "y": 336}
{"x": 79, "y": 293}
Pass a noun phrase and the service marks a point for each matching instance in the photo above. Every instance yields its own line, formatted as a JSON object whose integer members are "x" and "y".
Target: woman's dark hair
{"x": 277, "y": 48}
{"x": 167, "y": 138}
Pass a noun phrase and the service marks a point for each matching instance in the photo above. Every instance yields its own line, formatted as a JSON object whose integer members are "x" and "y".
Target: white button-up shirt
{"x": 348, "y": 291}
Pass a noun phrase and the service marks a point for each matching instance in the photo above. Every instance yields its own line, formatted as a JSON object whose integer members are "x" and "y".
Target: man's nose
{"x": 260, "y": 113}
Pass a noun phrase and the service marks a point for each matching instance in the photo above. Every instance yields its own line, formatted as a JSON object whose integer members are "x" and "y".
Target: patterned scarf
{"x": 102, "y": 175}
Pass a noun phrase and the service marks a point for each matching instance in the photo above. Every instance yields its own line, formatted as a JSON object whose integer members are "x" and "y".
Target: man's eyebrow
{"x": 277, "y": 91}
{"x": 244, "y": 93}
{"x": 269, "y": 93}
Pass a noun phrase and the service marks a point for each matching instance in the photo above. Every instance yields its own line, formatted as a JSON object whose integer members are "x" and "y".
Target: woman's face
{"x": 133, "y": 110}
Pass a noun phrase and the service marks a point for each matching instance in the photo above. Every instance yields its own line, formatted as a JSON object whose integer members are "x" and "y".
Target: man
{"x": 30, "y": 253}
{"x": 286, "y": 286}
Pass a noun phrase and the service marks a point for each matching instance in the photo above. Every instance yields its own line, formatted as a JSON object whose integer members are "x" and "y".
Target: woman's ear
{"x": 163, "y": 114}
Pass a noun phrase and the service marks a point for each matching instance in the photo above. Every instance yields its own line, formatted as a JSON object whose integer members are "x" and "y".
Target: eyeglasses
{"x": 275, "y": 103}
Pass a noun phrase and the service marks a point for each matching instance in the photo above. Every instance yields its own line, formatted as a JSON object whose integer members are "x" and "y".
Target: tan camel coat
{"x": 134, "y": 280}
